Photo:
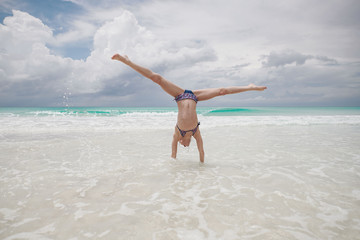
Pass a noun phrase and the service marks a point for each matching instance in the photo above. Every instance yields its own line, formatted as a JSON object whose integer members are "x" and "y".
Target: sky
{"x": 57, "y": 53}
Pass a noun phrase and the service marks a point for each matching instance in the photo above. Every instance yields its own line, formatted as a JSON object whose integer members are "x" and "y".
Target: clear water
{"x": 205, "y": 111}
{"x": 106, "y": 173}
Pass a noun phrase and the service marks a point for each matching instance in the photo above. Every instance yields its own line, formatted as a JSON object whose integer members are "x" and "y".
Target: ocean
{"x": 106, "y": 173}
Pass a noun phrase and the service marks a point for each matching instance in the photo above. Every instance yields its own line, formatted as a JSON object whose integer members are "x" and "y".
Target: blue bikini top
{"x": 187, "y": 94}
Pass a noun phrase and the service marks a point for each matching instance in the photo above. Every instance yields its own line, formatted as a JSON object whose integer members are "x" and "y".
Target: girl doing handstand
{"x": 187, "y": 122}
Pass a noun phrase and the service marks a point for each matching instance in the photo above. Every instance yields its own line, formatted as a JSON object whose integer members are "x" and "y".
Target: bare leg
{"x": 166, "y": 85}
{"x": 206, "y": 94}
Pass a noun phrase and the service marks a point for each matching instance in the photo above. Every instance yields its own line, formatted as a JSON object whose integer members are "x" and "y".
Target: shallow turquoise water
{"x": 105, "y": 173}
{"x": 206, "y": 111}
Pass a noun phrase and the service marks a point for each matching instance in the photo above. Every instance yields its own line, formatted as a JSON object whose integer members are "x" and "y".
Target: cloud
{"x": 20, "y": 32}
{"x": 79, "y": 31}
{"x": 286, "y": 57}
{"x": 313, "y": 84}
{"x": 124, "y": 35}
{"x": 29, "y": 73}
{"x": 192, "y": 43}
{"x": 26, "y": 57}
{"x": 276, "y": 59}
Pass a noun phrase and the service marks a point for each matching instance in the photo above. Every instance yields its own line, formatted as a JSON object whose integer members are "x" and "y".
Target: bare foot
{"x": 256, "y": 88}
{"x": 120, "y": 58}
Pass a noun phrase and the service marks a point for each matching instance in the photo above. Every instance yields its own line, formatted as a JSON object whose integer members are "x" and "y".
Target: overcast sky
{"x": 54, "y": 52}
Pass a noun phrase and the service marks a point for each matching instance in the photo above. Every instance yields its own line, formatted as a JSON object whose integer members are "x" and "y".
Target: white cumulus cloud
{"x": 196, "y": 44}
{"x": 26, "y": 57}
{"x": 286, "y": 57}
{"x": 27, "y": 68}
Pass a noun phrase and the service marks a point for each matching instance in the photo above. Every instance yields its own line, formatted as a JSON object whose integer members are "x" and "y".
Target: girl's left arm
{"x": 200, "y": 145}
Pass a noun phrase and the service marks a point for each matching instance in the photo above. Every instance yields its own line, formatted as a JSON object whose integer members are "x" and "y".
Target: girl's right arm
{"x": 174, "y": 145}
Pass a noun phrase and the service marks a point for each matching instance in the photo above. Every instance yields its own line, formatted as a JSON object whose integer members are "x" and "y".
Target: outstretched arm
{"x": 200, "y": 145}
{"x": 166, "y": 85}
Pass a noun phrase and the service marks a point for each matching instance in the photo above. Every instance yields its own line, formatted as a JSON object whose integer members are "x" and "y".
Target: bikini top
{"x": 183, "y": 133}
{"x": 187, "y": 94}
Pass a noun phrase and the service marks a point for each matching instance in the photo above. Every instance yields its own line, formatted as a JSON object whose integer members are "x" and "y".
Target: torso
{"x": 187, "y": 117}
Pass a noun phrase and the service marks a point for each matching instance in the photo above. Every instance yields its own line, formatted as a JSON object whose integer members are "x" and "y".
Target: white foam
{"x": 9, "y": 214}
{"x": 281, "y": 120}
{"x": 24, "y": 221}
{"x": 143, "y": 121}
{"x": 35, "y": 235}
{"x": 80, "y": 213}
{"x": 124, "y": 210}
{"x": 261, "y": 182}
